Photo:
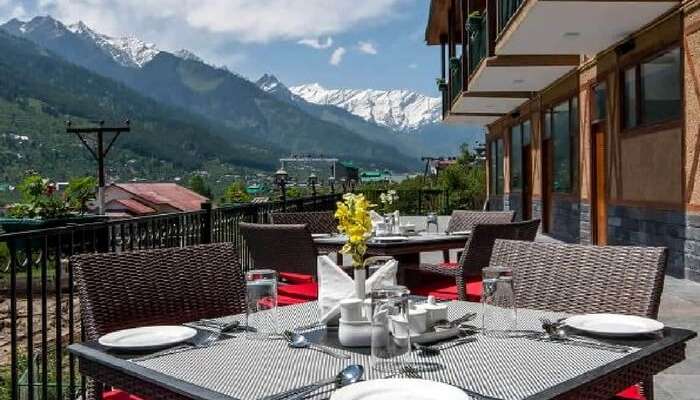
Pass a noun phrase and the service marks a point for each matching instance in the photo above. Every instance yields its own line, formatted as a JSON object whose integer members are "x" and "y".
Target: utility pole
{"x": 99, "y": 153}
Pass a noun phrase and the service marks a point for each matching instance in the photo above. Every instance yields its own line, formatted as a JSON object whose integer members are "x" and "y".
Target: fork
{"x": 195, "y": 343}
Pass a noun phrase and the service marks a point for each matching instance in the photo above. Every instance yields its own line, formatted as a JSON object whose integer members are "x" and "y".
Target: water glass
{"x": 261, "y": 303}
{"x": 498, "y": 301}
{"x": 390, "y": 337}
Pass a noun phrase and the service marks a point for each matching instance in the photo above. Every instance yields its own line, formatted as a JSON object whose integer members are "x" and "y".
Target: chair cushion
{"x": 117, "y": 394}
{"x": 288, "y": 301}
{"x": 295, "y": 278}
{"x": 631, "y": 393}
{"x": 302, "y": 291}
{"x": 448, "y": 291}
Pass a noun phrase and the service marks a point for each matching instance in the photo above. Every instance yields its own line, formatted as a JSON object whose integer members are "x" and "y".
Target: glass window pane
{"x": 661, "y": 87}
{"x": 516, "y": 158}
{"x": 547, "y": 122}
{"x": 494, "y": 169}
{"x": 499, "y": 160}
{"x": 630, "y": 98}
{"x": 600, "y": 102}
{"x": 574, "y": 116}
{"x": 561, "y": 138}
{"x": 527, "y": 133}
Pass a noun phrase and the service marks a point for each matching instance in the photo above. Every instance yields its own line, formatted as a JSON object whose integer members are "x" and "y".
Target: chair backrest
{"x": 464, "y": 220}
{"x": 163, "y": 286}
{"x": 585, "y": 279}
{"x": 477, "y": 251}
{"x": 316, "y": 221}
{"x": 284, "y": 248}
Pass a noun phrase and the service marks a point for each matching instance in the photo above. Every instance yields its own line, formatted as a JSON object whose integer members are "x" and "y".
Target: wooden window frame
{"x": 643, "y": 127}
{"x": 574, "y": 151}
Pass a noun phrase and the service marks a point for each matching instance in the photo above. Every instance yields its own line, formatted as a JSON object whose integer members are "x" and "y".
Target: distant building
{"x": 137, "y": 199}
{"x": 375, "y": 176}
{"x": 345, "y": 171}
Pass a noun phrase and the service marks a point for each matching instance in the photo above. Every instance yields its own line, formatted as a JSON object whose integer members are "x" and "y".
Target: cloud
{"x": 316, "y": 43}
{"x": 337, "y": 56}
{"x": 367, "y": 47}
{"x": 412, "y": 65}
{"x": 246, "y": 21}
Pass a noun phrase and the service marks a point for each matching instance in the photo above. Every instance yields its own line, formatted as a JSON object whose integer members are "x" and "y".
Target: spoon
{"x": 349, "y": 375}
{"x": 299, "y": 341}
{"x": 556, "y": 331}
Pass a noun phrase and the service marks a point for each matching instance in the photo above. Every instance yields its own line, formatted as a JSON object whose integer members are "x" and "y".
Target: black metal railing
{"x": 478, "y": 41}
{"x": 506, "y": 11}
{"x": 416, "y": 202}
{"x": 455, "y": 78}
{"x": 37, "y": 282}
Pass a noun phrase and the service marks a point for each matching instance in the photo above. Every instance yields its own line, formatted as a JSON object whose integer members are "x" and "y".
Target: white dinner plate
{"x": 614, "y": 324}
{"x": 399, "y": 389}
{"x": 391, "y": 238}
{"x": 461, "y": 233}
{"x": 320, "y": 235}
{"x": 147, "y": 337}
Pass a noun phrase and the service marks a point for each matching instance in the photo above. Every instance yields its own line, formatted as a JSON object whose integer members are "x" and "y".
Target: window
{"x": 496, "y": 167}
{"x": 600, "y": 101}
{"x": 652, "y": 90}
{"x": 547, "y": 124}
{"x": 527, "y": 133}
{"x": 516, "y": 158}
{"x": 562, "y": 121}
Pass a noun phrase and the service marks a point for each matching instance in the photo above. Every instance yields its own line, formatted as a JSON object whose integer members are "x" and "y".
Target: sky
{"x": 359, "y": 44}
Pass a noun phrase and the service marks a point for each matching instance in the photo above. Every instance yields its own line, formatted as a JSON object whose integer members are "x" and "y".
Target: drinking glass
{"x": 498, "y": 301}
{"x": 390, "y": 338}
{"x": 261, "y": 303}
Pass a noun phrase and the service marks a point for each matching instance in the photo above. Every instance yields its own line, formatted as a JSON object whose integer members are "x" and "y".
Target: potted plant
{"x": 43, "y": 207}
{"x": 441, "y": 84}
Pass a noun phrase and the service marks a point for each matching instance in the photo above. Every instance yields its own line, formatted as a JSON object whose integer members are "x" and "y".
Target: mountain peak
{"x": 401, "y": 110}
{"x": 268, "y": 83}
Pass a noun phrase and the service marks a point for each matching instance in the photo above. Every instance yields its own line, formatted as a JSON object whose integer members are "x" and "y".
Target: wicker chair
{"x": 586, "y": 279}
{"x": 464, "y": 220}
{"x": 288, "y": 249}
{"x": 164, "y": 286}
{"x": 316, "y": 221}
{"x": 475, "y": 257}
{"x": 155, "y": 287}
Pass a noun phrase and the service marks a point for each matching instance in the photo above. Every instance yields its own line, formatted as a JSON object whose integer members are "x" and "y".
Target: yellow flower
{"x": 354, "y": 221}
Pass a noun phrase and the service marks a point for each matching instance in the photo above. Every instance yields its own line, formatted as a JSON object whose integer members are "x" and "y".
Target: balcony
{"x": 571, "y": 26}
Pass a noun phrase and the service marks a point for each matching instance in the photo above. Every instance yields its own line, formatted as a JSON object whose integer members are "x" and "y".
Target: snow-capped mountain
{"x": 401, "y": 110}
{"x": 128, "y": 51}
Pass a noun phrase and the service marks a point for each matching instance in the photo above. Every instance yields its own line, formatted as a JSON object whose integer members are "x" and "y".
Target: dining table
{"x": 523, "y": 365}
{"x": 405, "y": 249}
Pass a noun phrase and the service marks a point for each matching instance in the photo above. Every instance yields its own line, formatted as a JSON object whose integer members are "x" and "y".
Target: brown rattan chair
{"x": 476, "y": 256}
{"x": 316, "y": 221}
{"x": 163, "y": 286}
{"x": 465, "y": 220}
{"x": 284, "y": 248}
{"x": 586, "y": 279}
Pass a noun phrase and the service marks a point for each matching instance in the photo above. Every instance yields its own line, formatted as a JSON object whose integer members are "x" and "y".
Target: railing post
{"x": 420, "y": 201}
{"x": 207, "y": 233}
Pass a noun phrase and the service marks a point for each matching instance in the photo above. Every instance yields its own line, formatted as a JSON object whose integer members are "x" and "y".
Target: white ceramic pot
{"x": 355, "y": 333}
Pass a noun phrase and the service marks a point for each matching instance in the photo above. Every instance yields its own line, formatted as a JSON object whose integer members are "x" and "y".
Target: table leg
{"x": 406, "y": 262}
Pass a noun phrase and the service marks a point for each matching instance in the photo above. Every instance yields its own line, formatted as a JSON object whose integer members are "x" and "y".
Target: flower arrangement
{"x": 388, "y": 199}
{"x": 354, "y": 221}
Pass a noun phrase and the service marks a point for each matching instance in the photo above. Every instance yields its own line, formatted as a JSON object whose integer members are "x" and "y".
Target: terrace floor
{"x": 680, "y": 307}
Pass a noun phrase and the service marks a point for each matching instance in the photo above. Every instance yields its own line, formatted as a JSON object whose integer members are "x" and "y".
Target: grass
{"x": 5, "y": 377}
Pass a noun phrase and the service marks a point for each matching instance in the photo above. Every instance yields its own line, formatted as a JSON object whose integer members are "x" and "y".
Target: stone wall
{"x": 585, "y": 236}
{"x": 566, "y": 219}
{"x": 515, "y": 201}
{"x": 675, "y": 230}
{"x": 497, "y": 202}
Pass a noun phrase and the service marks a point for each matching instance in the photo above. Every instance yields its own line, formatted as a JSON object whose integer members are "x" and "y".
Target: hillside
{"x": 39, "y": 92}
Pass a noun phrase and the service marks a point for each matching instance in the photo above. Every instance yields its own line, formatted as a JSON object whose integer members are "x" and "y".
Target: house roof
{"x": 170, "y": 194}
{"x": 134, "y": 206}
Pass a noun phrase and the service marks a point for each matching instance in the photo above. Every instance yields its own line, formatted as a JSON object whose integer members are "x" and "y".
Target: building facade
{"x": 592, "y": 110}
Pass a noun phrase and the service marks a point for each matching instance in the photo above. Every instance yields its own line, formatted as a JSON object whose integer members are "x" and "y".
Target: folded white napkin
{"x": 335, "y": 285}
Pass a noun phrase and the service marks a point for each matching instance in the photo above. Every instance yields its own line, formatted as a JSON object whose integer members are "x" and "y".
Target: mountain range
{"x": 265, "y": 120}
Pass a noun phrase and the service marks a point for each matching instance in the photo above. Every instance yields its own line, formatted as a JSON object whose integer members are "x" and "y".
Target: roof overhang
{"x": 489, "y": 102}
{"x": 521, "y": 73}
{"x": 576, "y": 26}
